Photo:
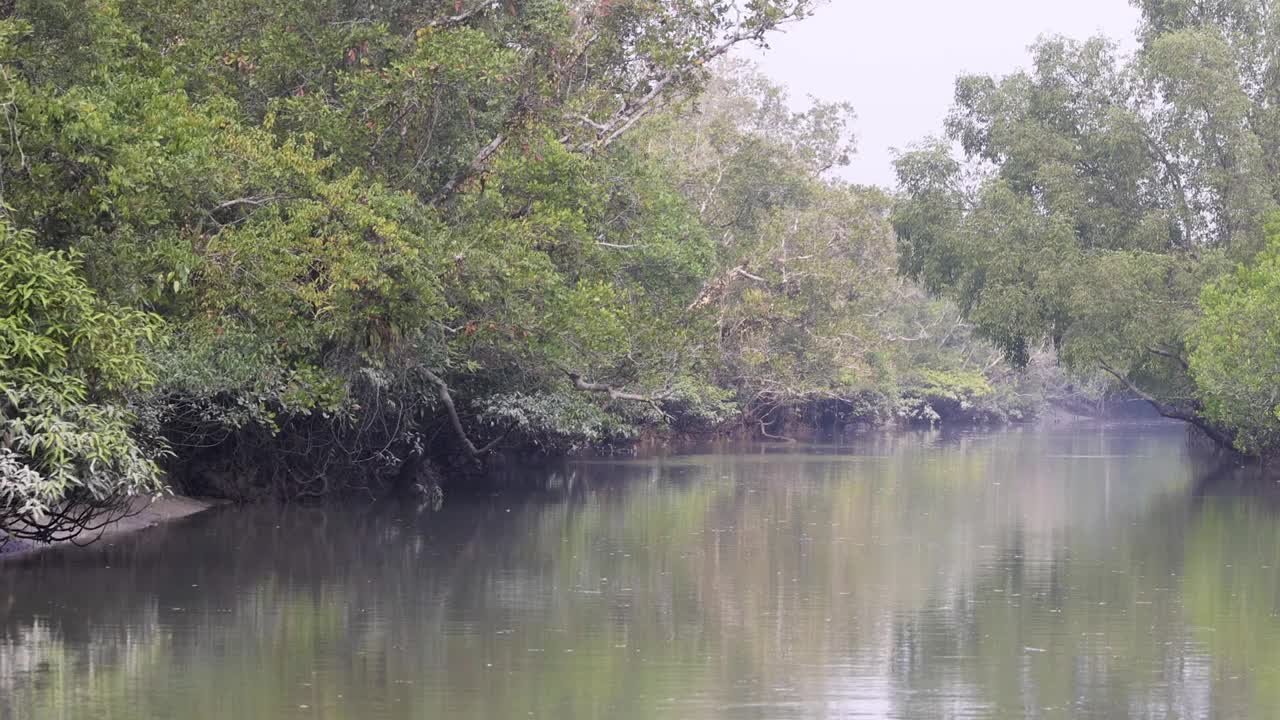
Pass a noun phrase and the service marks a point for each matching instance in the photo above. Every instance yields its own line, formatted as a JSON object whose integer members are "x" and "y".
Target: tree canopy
{"x": 1097, "y": 194}
{"x": 306, "y": 246}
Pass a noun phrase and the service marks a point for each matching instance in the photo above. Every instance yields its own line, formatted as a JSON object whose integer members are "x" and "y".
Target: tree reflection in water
{"x": 1100, "y": 573}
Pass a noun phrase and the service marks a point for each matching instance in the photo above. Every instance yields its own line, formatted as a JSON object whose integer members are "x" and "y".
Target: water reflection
{"x": 1024, "y": 574}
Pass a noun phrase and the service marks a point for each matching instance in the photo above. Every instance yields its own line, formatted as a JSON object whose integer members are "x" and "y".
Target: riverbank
{"x": 146, "y": 513}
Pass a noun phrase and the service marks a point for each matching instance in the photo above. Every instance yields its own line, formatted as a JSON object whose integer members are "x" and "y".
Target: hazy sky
{"x": 896, "y": 60}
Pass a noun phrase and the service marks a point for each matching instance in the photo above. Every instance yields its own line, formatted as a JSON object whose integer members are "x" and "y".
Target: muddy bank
{"x": 145, "y": 513}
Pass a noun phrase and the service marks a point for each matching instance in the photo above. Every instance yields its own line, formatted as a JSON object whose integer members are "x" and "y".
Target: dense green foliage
{"x": 1099, "y": 194}
{"x": 299, "y": 247}
{"x": 1236, "y": 356}
{"x": 68, "y": 456}
{"x": 307, "y": 246}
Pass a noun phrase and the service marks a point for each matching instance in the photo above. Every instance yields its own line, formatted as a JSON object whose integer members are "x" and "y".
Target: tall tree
{"x": 1097, "y": 196}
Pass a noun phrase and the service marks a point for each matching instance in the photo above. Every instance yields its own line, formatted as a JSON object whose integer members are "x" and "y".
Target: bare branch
{"x": 612, "y": 392}
{"x": 446, "y": 399}
{"x": 476, "y": 167}
{"x": 607, "y": 132}
{"x": 714, "y": 289}
{"x": 257, "y": 201}
{"x": 463, "y": 18}
{"x": 634, "y": 111}
{"x": 766, "y": 433}
{"x": 1172, "y": 356}
{"x": 588, "y": 121}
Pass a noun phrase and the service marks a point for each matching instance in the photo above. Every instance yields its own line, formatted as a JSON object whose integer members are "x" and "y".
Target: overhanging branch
{"x": 614, "y": 393}
{"x": 631, "y": 113}
{"x": 446, "y": 399}
{"x": 609, "y": 131}
{"x": 1171, "y": 356}
{"x": 1173, "y": 412}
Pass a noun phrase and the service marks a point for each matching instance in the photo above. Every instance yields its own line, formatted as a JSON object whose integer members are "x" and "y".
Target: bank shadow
{"x": 1228, "y": 478}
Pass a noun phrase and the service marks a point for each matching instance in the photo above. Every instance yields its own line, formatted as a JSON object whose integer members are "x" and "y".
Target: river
{"x": 1095, "y": 572}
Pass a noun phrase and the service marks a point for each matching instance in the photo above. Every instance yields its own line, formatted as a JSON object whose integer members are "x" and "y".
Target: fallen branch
{"x": 588, "y": 121}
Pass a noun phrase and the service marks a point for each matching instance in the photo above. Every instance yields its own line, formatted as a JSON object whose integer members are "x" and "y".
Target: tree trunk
{"x": 1225, "y": 439}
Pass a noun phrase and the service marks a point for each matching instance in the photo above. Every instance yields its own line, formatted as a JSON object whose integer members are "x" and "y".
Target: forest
{"x": 298, "y": 249}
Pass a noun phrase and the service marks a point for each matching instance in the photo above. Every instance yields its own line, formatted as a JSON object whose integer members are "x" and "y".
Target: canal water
{"x": 1099, "y": 572}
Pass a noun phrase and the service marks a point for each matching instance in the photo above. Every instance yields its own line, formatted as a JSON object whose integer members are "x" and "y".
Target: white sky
{"x": 896, "y": 60}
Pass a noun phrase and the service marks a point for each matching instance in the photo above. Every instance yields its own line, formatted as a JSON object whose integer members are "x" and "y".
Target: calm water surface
{"x": 1096, "y": 573}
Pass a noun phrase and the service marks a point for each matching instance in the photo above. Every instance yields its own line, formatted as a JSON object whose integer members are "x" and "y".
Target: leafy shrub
{"x": 69, "y": 456}
{"x": 965, "y": 396}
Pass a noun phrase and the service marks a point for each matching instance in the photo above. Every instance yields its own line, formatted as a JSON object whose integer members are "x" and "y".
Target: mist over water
{"x": 1099, "y": 573}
